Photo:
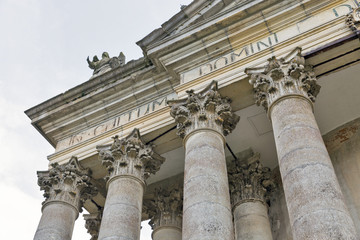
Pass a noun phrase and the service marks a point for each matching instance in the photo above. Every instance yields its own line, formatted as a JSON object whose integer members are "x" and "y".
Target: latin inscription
{"x": 116, "y": 122}
{"x": 269, "y": 41}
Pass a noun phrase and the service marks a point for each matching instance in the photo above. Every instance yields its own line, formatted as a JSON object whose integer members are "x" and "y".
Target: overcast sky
{"x": 43, "y": 46}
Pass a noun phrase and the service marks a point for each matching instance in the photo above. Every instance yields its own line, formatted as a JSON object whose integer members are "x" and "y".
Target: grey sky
{"x": 43, "y": 46}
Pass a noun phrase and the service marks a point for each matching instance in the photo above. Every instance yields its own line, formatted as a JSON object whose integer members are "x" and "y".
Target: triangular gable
{"x": 194, "y": 13}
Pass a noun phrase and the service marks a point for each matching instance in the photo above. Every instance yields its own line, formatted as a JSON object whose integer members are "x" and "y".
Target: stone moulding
{"x": 281, "y": 78}
{"x": 130, "y": 156}
{"x": 353, "y": 20}
{"x": 206, "y": 109}
{"x": 69, "y": 183}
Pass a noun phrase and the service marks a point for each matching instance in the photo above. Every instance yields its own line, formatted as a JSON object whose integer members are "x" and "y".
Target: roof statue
{"x": 106, "y": 63}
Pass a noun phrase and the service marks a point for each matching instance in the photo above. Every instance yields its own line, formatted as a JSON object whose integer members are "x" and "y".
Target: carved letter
{"x": 207, "y": 68}
{"x": 243, "y": 50}
{"x": 223, "y": 63}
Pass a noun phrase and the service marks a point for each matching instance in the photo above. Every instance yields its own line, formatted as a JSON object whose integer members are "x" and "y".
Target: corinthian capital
{"x": 92, "y": 224}
{"x": 283, "y": 77}
{"x": 249, "y": 181}
{"x": 353, "y": 19}
{"x": 206, "y": 109}
{"x": 67, "y": 183}
{"x": 130, "y": 156}
{"x": 165, "y": 209}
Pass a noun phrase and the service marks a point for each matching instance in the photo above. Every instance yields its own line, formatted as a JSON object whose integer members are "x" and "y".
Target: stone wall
{"x": 278, "y": 213}
{"x": 343, "y": 144}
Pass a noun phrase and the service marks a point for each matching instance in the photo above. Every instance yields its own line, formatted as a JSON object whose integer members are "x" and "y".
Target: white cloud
{"x": 44, "y": 45}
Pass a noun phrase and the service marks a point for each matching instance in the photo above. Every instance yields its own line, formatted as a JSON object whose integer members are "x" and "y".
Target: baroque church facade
{"x": 241, "y": 121}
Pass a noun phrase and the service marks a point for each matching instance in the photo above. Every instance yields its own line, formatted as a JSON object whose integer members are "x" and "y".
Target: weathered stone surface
{"x": 206, "y": 109}
{"x": 207, "y": 211}
{"x": 314, "y": 199}
{"x": 129, "y": 162}
{"x": 106, "y": 63}
{"x": 69, "y": 183}
{"x": 252, "y": 221}
{"x": 249, "y": 181}
{"x": 249, "y": 184}
{"x": 165, "y": 212}
{"x": 66, "y": 188}
{"x": 131, "y": 156}
{"x": 283, "y": 77}
{"x": 122, "y": 209}
{"x": 165, "y": 209}
{"x": 343, "y": 144}
{"x": 92, "y": 224}
{"x": 278, "y": 212}
{"x": 166, "y": 233}
{"x": 57, "y": 222}
{"x": 202, "y": 120}
{"x": 353, "y": 20}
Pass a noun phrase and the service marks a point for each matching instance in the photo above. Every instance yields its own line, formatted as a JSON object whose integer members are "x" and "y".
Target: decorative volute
{"x": 165, "y": 209}
{"x": 283, "y": 77}
{"x": 131, "y": 156}
{"x": 249, "y": 181}
{"x": 206, "y": 109}
{"x": 67, "y": 183}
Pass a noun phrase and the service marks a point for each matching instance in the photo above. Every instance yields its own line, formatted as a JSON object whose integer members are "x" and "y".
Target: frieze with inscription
{"x": 116, "y": 122}
{"x": 269, "y": 41}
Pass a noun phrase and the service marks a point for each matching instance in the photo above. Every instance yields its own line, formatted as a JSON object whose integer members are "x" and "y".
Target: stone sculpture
{"x": 106, "y": 63}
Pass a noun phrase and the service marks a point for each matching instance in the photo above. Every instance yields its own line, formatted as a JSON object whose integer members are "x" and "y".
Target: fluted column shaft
{"x": 129, "y": 162}
{"x": 66, "y": 188}
{"x": 202, "y": 120}
{"x": 315, "y": 202}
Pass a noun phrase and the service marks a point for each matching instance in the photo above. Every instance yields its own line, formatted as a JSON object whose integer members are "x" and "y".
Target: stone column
{"x": 92, "y": 224}
{"x": 66, "y": 188}
{"x": 249, "y": 182}
{"x": 202, "y": 120}
{"x": 129, "y": 162}
{"x": 165, "y": 212}
{"x": 287, "y": 88}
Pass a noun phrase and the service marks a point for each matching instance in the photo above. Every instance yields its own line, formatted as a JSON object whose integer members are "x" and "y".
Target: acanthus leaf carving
{"x": 206, "y": 109}
{"x": 131, "y": 156}
{"x": 92, "y": 223}
{"x": 249, "y": 181}
{"x": 281, "y": 77}
{"x": 165, "y": 208}
{"x": 68, "y": 182}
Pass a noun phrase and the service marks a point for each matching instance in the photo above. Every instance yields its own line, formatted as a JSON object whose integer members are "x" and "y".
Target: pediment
{"x": 197, "y": 12}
